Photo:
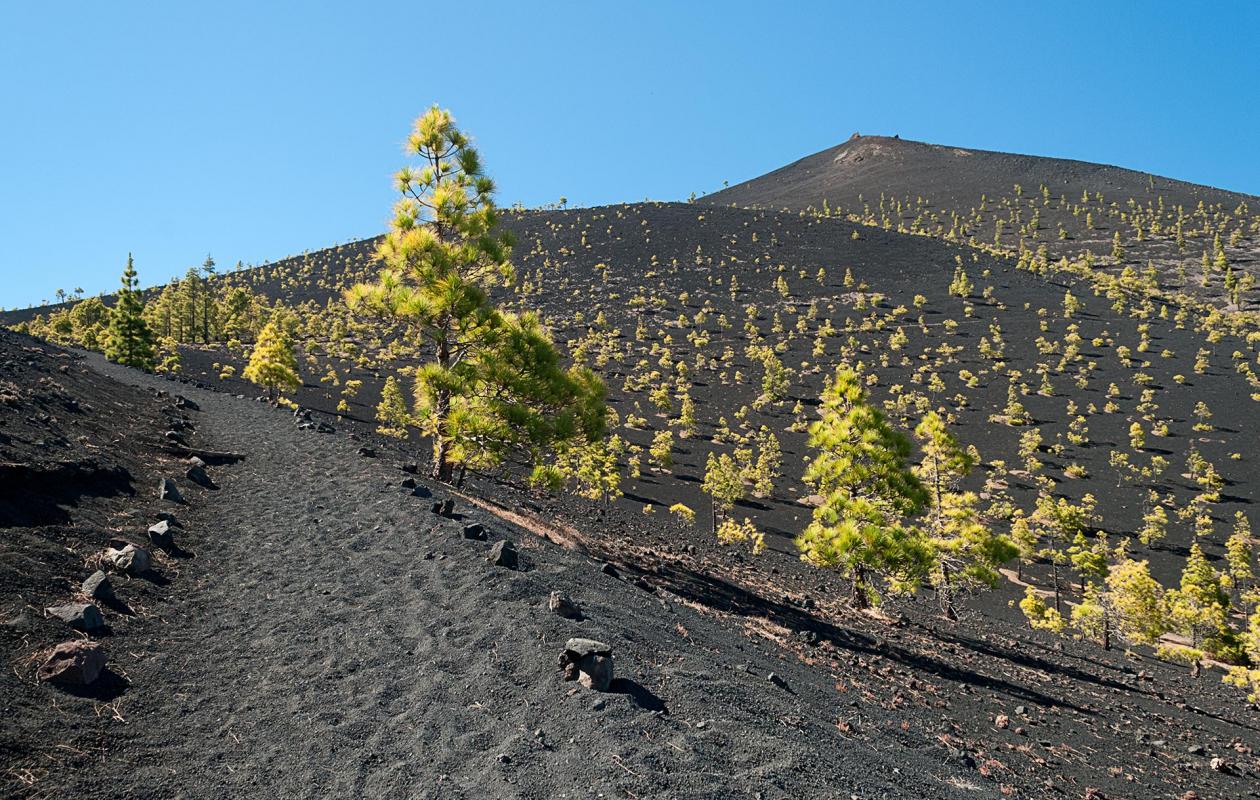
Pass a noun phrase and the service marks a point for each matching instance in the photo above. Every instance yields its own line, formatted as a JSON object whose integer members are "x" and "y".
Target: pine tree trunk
{"x": 1054, "y": 570}
{"x": 442, "y": 467}
{"x": 946, "y": 596}
{"x": 859, "y": 598}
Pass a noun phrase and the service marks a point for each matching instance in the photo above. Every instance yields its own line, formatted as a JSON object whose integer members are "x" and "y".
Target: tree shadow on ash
{"x": 640, "y": 694}
{"x": 108, "y": 686}
{"x": 725, "y": 596}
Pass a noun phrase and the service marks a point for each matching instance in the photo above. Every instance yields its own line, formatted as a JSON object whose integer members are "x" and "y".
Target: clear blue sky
{"x": 259, "y": 129}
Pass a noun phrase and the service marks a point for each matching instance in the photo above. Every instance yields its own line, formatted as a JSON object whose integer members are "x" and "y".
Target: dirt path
{"x": 333, "y": 638}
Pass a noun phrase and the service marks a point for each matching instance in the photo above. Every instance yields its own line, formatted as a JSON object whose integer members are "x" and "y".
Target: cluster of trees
{"x": 883, "y": 519}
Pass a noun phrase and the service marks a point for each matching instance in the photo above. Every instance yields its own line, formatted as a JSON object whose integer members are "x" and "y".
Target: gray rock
{"x": 503, "y": 554}
{"x": 98, "y": 586}
{"x": 560, "y": 604}
{"x": 474, "y": 530}
{"x": 588, "y": 662}
{"x": 367, "y": 452}
{"x": 83, "y": 616}
{"x": 131, "y": 560}
{"x": 78, "y": 662}
{"x": 167, "y": 490}
{"x": 160, "y": 534}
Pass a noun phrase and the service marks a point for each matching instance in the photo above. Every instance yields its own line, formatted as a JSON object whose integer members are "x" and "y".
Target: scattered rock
{"x": 503, "y": 554}
{"x": 324, "y": 427}
{"x": 160, "y": 535}
{"x": 1219, "y": 764}
{"x": 98, "y": 587}
{"x": 167, "y": 490}
{"x": 1196, "y": 750}
{"x": 82, "y": 616}
{"x": 563, "y": 606}
{"x": 75, "y": 663}
{"x": 421, "y": 491}
{"x": 475, "y": 531}
{"x": 1001, "y": 722}
{"x": 131, "y": 560}
{"x": 589, "y": 662}
{"x": 367, "y": 452}
{"x": 411, "y": 469}
{"x": 1020, "y": 711}
{"x": 444, "y": 508}
{"x": 610, "y": 570}
{"x": 409, "y": 483}
{"x": 198, "y": 475}
{"x": 184, "y": 402}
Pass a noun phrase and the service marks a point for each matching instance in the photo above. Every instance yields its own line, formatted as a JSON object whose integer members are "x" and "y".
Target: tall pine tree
{"x": 128, "y": 340}
{"x": 492, "y": 382}
{"x": 272, "y": 364}
{"x": 868, "y": 490}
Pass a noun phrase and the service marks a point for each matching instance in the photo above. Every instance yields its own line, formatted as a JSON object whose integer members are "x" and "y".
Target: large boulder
{"x": 131, "y": 560}
{"x": 78, "y": 662}
{"x": 82, "y": 616}
{"x": 588, "y": 662}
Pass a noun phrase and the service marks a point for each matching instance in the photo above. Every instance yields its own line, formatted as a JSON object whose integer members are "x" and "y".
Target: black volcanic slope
{"x": 864, "y": 167}
{"x": 691, "y": 297}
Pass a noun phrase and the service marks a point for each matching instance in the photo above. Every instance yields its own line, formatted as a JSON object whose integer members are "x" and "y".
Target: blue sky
{"x": 256, "y": 130}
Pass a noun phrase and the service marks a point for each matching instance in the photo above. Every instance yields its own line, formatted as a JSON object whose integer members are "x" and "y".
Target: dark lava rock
{"x": 421, "y": 491}
{"x": 409, "y": 483}
{"x": 367, "y": 452}
{"x": 475, "y": 531}
{"x": 324, "y": 427}
{"x": 589, "y": 662}
{"x": 131, "y": 560}
{"x": 98, "y": 586}
{"x": 82, "y": 616}
{"x": 167, "y": 490}
{"x": 503, "y": 554}
{"x": 610, "y": 570}
{"x": 198, "y": 475}
{"x": 444, "y": 508}
{"x": 563, "y": 606}
{"x": 160, "y": 534}
{"x": 412, "y": 469}
{"x": 184, "y": 402}
{"x": 75, "y": 663}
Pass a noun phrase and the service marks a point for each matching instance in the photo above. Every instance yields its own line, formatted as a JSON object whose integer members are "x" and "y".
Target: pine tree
{"x": 1199, "y": 608}
{"x": 272, "y": 364}
{"x": 966, "y": 552}
{"x": 1138, "y": 602}
{"x": 868, "y": 490}
{"x": 724, "y": 484}
{"x": 391, "y": 412}
{"x": 128, "y": 340}
{"x": 493, "y": 381}
{"x": 1238, "y": 554}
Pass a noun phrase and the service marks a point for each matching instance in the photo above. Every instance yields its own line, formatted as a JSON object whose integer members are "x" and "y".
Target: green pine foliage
{"x": 272, "y": 364}
{"x": 492, "y": 382}
{"x": 128, "y": 340}
{"x": 392, "y": 412}
{"x": 861, "y": 470}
